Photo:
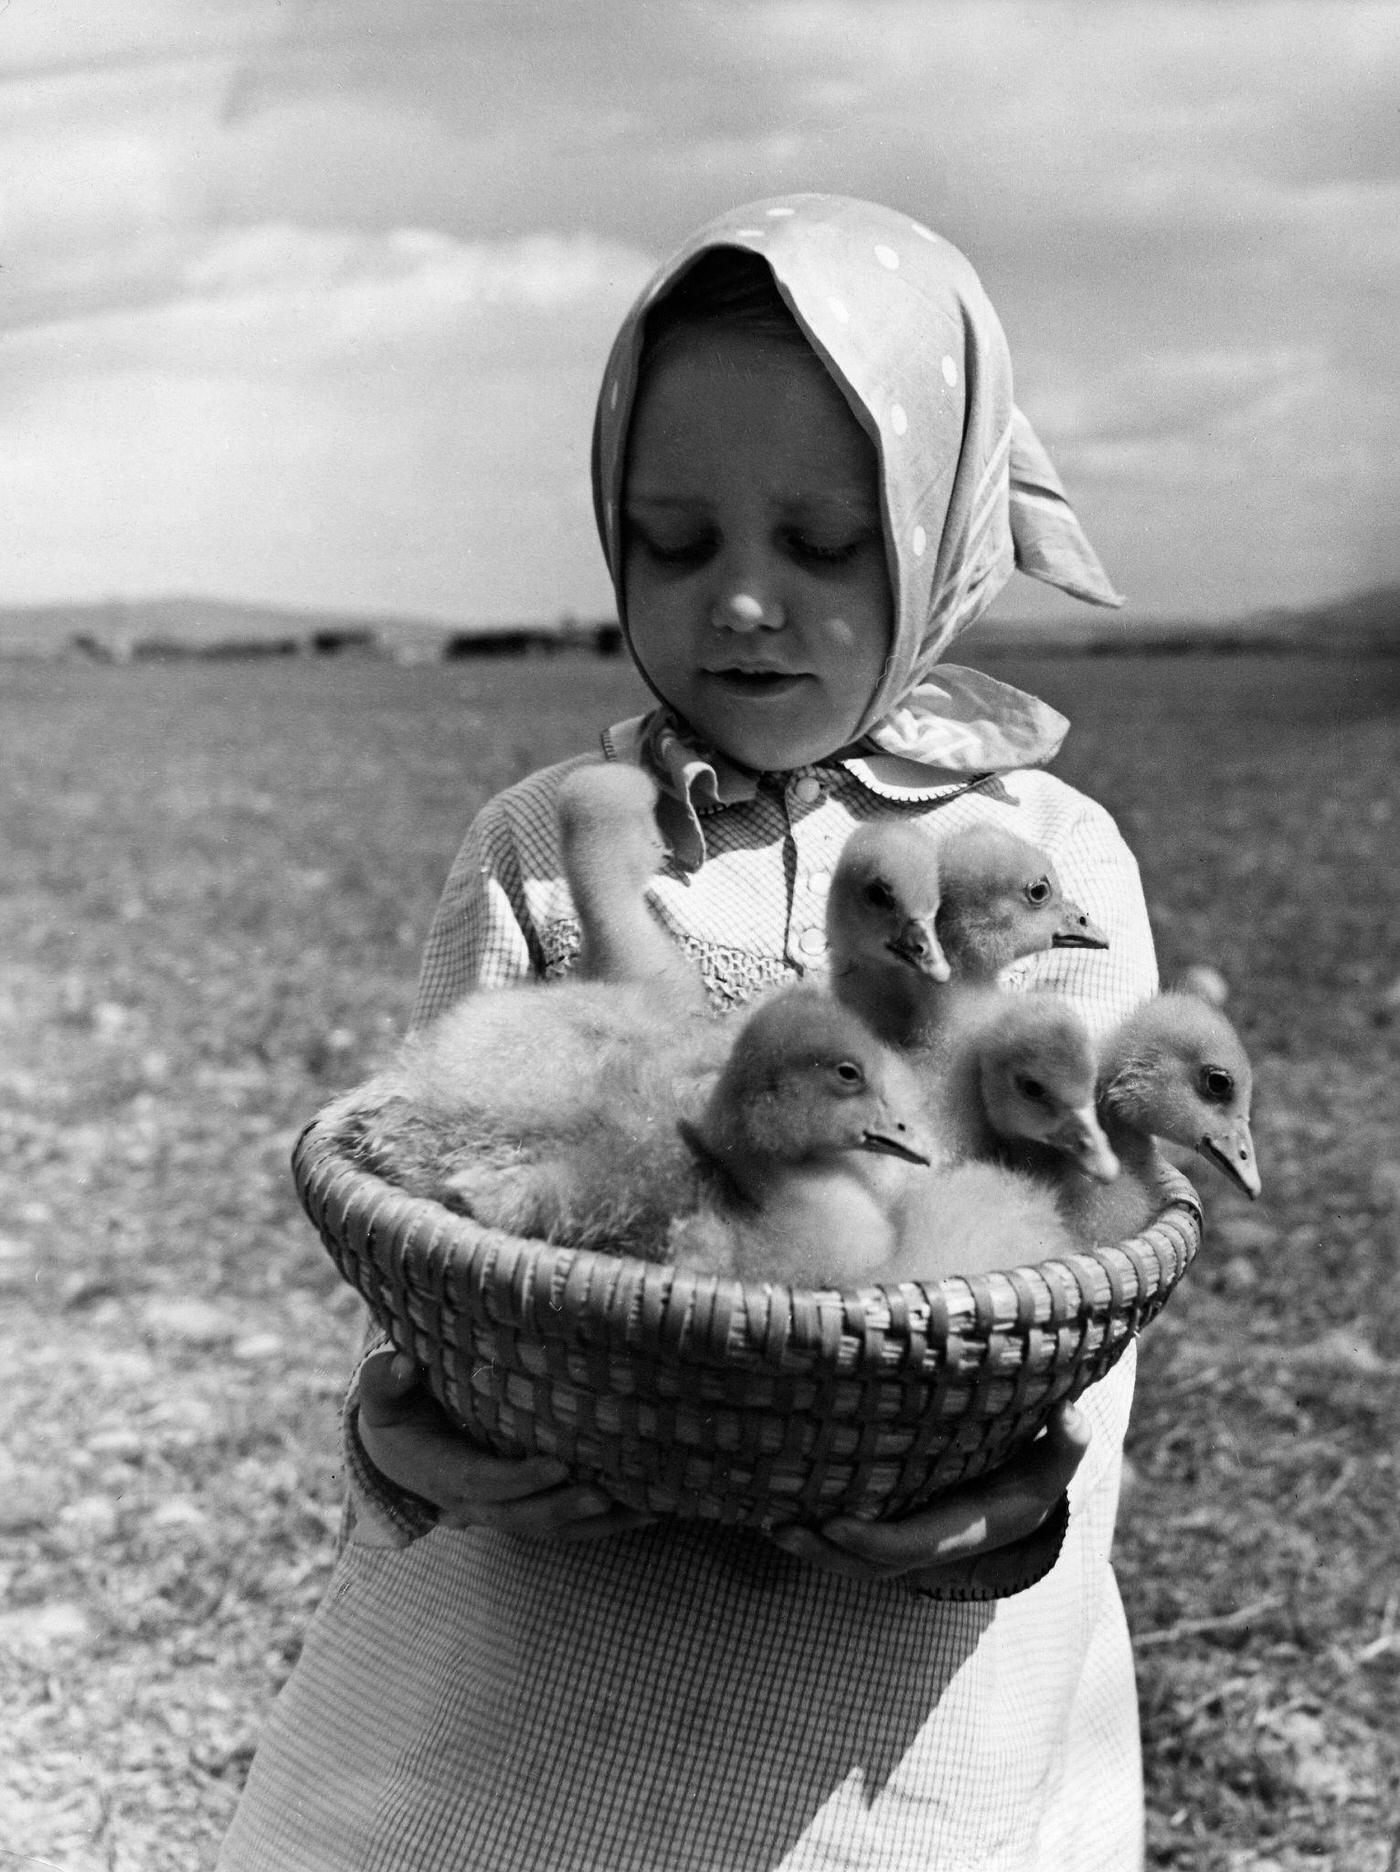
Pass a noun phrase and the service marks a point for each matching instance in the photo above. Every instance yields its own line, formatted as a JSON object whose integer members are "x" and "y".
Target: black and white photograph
{"x": 699, "y": 936}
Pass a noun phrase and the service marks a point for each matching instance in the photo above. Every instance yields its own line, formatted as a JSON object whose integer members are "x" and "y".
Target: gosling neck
{"x": 901, "y": 1007}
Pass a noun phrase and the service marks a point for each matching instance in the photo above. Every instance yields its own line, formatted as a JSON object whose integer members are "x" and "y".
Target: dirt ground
{"x": 216, "y": 882}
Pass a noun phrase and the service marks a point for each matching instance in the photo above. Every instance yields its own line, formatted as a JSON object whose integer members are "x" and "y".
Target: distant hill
{"x": 121, "y": 630}
{"x": 1364, "y": 623}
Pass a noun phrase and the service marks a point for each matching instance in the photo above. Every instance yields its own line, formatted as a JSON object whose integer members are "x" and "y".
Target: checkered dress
{"x": 688, "y": 1698}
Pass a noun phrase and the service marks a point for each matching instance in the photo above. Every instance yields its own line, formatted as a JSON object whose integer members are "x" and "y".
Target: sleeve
{"x": 377, "y": 1512}
{"x": 1098, "y": 870}
{"x": 1101, "y": 874}
{"x": 481, "y": 937}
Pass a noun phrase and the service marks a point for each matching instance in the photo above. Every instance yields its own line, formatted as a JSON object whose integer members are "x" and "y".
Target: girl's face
{"x": 758, "y": 599}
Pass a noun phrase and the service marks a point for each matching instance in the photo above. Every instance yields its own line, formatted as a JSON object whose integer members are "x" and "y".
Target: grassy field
{"x": 216, "y": 881}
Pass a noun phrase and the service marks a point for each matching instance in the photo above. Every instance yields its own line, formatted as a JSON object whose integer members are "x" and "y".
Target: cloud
{"x": 103, "y": 191}
{"x": 279, "y": 297}
{"x": 544, "y": 272}
{"x": 459, "y": 494}
{"x": 45, "y": 42}
{"x": 290, "y": 281}
{"x": 1169, "y": 394}
{"x": 1223, "y": 482}
{"x": 324, "y": 416}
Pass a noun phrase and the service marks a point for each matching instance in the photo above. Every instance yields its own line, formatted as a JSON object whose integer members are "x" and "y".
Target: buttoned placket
{"x": 815, "y": 833}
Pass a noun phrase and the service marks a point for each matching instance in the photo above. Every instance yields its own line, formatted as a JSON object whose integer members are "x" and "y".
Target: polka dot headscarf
{"x": 899, "y": 318}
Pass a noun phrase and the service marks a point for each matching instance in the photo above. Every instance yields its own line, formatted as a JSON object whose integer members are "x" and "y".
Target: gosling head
{"x": 1036, "y": 1072}
{"x": 1176, "y": 1069}
{"x": 886, "y": 962}
{"x": 806, "y": 1082}
{"x": 884, "y": 900}
{"x": 1002, "y": 898}
{"x": 608, "y": 836}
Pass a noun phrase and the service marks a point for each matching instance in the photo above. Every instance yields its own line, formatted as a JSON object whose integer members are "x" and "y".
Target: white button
{"x": 807, "y": 789}
{"x": 812, "y": 942}
{"x": 820, "y": 882}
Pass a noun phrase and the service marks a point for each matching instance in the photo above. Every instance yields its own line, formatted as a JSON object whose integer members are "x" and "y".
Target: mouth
{"x": 760, "y": 683}
{"x": 895, "y": 1141}
{"x": 1077, "y": 932}
{"x": 1233, "y": 1154}
{"x": 918, "y": 946}
{"x": 1081, "y": 1138}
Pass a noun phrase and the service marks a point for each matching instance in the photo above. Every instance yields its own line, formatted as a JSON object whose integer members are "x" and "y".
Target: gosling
{"x": 1174, "y": 1070}
{"x": 909, "y": 919}
{"x": 551, "y": 1110}
{"x": 1014, "y": 1103}
{"x": 804, "y": 1148}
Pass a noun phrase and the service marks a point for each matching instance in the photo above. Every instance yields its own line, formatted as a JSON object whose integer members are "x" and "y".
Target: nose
{"x": 744, "y": 611}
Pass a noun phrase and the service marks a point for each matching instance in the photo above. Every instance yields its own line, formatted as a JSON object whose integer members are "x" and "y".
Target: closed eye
{"x": 813, "y": 550}
{"x": 685, "y": 552}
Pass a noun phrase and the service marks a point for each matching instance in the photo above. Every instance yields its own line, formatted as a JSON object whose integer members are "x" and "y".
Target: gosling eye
{"x": 1032, "y": 1089}
{"x": 1217, "y": 1084}
{"x": 1039, "y": 891}
{"x": 850, "y": 1075}
{"x": 878, "y": 893}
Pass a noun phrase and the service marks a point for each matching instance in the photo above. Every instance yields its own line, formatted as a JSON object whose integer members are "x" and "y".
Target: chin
{"x": 769, "y": 747}
{"x": 758, "y": 737}
{"x": 767, "y": 753}
{"x": 785, "y": 760}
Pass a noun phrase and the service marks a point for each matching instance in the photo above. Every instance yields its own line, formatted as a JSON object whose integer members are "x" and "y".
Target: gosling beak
{"x": 1080, "y": 1136}
{"x": 917, "y": 945}
{"x": 1075, "y": 931}
{"x": 891, "y": 1137}
{"x": 1231, "y": 1150}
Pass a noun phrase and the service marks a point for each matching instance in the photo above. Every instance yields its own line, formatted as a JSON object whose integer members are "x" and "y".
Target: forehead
{"x": 718, "y": 402}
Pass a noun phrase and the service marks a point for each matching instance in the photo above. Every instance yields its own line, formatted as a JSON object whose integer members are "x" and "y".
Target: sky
{"x": 306, "y": 301}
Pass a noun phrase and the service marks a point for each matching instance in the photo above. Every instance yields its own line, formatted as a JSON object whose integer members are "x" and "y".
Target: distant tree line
{"x": 600, "y": 639}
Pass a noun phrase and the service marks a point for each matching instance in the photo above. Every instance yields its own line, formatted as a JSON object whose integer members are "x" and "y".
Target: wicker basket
{"x": 750, "y": 1405}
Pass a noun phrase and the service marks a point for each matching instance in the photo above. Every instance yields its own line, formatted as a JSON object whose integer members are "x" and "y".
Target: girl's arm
{"x": 408, "y": 1467}
{"x": 1099, "y": 871}
{"x": 412, "y": 1470}
{"x": 481, "y": 934}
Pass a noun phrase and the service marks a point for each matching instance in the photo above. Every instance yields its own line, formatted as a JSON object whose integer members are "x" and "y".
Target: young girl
{"x": 809, "y": 477}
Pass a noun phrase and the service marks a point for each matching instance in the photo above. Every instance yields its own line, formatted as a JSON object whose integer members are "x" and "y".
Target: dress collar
{"x": 696, "y": 783}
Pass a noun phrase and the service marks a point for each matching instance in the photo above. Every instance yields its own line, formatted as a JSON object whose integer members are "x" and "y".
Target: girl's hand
{"x": 977, "y": 1518}
{"x": 413, "y": 1442}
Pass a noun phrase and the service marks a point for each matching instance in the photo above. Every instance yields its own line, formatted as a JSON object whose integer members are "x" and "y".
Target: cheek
{"x": 859, "y": 621}
{"x": 843, "y": 634}
{"x": 855, "y": 623}
{"x": 640, "y": 603}
{"x": 859, "y": 638}
{"x": 654, "y": 630}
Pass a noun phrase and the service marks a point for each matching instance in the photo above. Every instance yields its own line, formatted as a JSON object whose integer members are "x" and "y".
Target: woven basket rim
{"x": 1094, "y": 1282}
{"x": 691, "y": 1393}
